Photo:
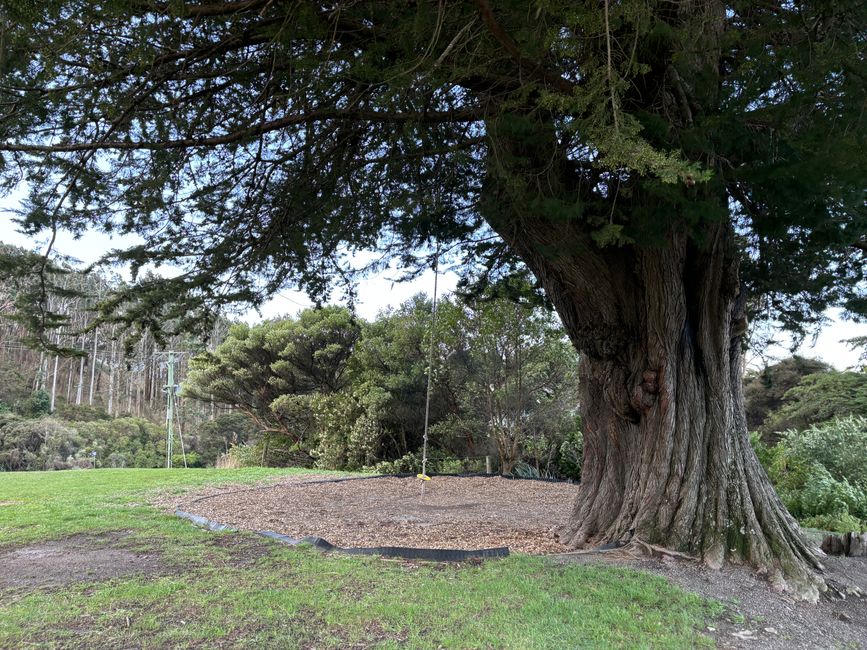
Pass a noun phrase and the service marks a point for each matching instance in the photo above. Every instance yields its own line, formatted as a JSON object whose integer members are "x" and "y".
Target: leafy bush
{"x": 192, "y": 458}
{"x": 765, "y": 389}
{"x": 822, "y": 494}
{"x": 821, "y": 398}
{"x": 241, "y": 456}
{"x": 821, "y": 473}
{"x": 50, "y": 443}
{"x": 570, "y": 456}
{"x": 80, "y": 413}
{"x": 37, "y": 405}
{"x": 36, "y": 444}
{"x": 215, "y": 437}
{"x": 839, "y": 445}
{"x": 407, "y": 464}
{"x": 837, "y": 523}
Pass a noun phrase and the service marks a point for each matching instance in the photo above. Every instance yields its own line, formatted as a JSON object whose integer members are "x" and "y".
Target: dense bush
{"x": 839, "y": 445}
{"x": 49, "y": 443}
{"x": 241, "y": 456}
{"x": 80, "y": 412}
{"x": 570, "y": 456}
{"x": 821, "y": 473}
{"x": 765, "y": 389}
{"x": 37, "y": 405}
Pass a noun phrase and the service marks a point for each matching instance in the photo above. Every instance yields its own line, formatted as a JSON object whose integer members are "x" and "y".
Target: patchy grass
{"x": 226, "y": 589}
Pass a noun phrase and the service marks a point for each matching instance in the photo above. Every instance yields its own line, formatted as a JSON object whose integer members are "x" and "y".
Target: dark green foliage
{"x": 764, "y": 389}
{"x": 287, "y": 135}
{"x": 820, "y": 398}
{"x": 821, "y": 473}
{"x": 80, "y": 413}
{"x": 262, "y": 370}
{"x": 570, "y": 456}
{"x": 514, "y": 381}
{"x": 38, "y": 404}
{"x": 503, "y": 386}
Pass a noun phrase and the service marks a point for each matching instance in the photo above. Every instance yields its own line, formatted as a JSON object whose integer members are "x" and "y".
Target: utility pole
{"x": 171, "y": 391}
{"x": 170, "y": 408}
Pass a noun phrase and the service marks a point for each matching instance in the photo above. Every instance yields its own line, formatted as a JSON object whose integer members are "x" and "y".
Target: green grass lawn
{"x": 239, "y": 590}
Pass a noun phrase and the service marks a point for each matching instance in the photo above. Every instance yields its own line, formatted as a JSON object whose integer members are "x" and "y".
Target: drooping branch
{"x": 325, "y": 115}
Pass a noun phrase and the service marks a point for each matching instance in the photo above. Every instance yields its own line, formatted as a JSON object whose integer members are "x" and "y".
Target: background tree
{"x": 764, "y": 389}
{"x": 269, "y": 371}
{"x": 389, "y": 370}
{"x": 819, "y": 398}
{"x": 661, "y": 168}
{"x": 515, "y": 378}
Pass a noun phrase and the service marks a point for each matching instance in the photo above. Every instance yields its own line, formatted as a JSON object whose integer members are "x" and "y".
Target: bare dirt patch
{"x": 81, "y": 558}
{"x": 455, "y": 512}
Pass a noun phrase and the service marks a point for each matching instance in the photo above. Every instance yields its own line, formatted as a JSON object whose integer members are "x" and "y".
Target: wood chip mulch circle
{"x": 467, "y": 513}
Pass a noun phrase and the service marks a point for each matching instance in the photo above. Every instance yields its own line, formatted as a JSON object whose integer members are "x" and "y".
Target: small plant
{"x": 240, "y": 456}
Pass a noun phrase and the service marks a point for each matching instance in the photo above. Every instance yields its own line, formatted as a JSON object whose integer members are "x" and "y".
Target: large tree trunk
{"x": 667, "y": 457}
{"x": 659, "y": 327}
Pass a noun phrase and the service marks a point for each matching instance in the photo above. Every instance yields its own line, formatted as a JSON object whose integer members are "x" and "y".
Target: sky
{"x": 379, "y": 292}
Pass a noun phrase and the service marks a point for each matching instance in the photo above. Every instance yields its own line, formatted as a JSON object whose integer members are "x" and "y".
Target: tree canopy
{"x": 258, "y": 143}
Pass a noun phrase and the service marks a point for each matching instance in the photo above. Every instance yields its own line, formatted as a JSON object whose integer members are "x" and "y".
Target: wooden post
{"x": 487, "y": 464}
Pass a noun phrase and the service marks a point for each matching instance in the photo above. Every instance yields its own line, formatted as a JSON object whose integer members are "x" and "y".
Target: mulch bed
{"x": 455, "y": 512}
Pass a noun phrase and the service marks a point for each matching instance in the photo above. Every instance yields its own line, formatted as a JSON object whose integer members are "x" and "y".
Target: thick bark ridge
{"x": 667, "y": 457}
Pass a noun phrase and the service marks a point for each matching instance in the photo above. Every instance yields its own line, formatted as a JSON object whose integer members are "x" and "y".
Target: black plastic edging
{"x": 405, "y": 552}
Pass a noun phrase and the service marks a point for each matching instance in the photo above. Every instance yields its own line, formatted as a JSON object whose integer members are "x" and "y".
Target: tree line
{"x": 328, "y": 389}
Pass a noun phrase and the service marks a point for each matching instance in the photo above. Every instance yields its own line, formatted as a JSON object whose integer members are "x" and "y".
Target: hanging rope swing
{"x": 423, "y": 476}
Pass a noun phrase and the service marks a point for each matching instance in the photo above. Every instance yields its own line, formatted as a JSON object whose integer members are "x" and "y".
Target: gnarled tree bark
{"x": 667, "y": 457}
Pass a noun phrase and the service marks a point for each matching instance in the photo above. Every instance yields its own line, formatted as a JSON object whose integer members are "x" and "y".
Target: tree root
{"x": 653, "y": 550}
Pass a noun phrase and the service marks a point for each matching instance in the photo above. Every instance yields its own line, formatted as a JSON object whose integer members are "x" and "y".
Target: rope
{"x": 430, "y": 360}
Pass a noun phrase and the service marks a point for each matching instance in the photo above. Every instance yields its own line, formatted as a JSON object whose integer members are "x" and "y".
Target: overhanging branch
{"x": 427, "y": 117}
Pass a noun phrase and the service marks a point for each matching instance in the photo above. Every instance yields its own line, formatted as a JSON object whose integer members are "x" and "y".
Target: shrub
{"x": 570, "y": 456}
{"x": 839, "y": 445}
{"x": 37, "y": 405}
{"x": 407, "y": 464}
{"x": 820, "y": 398}
{"x": 36, "y": 444}
{"x": 821, "y": 473}
{"x": 80, "y": 413}
{"x": 213, "y": 438}
{"x": 242, "y": 456}
{"x": 824, "y": 495}
{"x": 836, "y": 523}
{"x": 192, "y": 458}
